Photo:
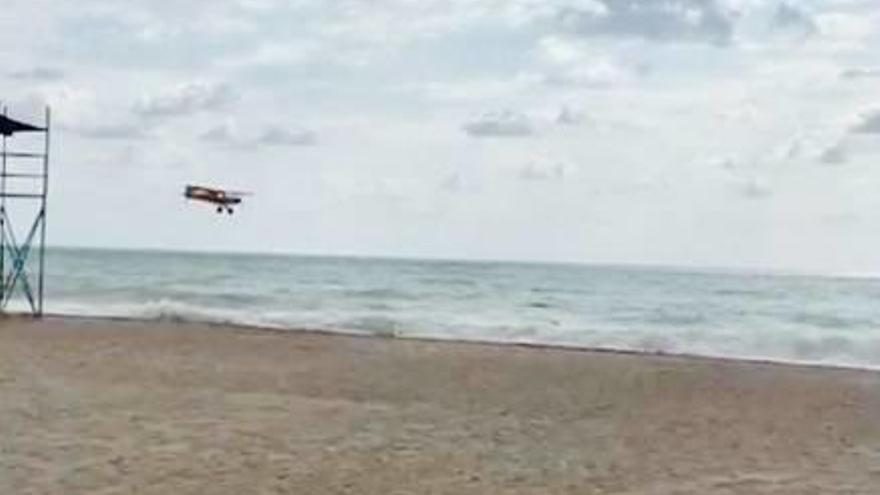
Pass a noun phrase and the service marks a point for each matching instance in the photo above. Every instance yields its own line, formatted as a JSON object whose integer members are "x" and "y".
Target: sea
{"x": 718, "y": 313}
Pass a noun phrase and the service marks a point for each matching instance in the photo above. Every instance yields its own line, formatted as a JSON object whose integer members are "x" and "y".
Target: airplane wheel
{"x": 219, "y": 210}
{"x": 229, "y": 211}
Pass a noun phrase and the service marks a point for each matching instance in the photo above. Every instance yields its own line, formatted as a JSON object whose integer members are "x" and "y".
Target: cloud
{"x": 598, "y": 74}
{"x": 570, "y": 61}
{"x": 657, "y": 20}
{"x": 755, "y": 188}
{"x": 715, "y": 22}
{"x": 72, "y": 104}
{"x": 227, "y": 133}
{"x": 452, "y": 183}
{"x": 37, "y": 74}
{"x": 279, "y": 136}
{"x": 562, "y": 49}
{"x": 860, "y": 73}
{"x": 834, "y": 155}
{"x": 543, "y": 171}
{"x": 744, "y": 178}
{"x": 220, "y": 134}
{"x": 458, "y": 183}
{"x": 870, "y": 123}
{"x": 570, "y": 117}
{"x": 120, "y": 131}
{"x": 186, "y": 99}
{"x": 791, "y": 19}
{"x": 503, "y": 123}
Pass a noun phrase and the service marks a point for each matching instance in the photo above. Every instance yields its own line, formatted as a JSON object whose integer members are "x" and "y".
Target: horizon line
{"x": 688, "y": 268}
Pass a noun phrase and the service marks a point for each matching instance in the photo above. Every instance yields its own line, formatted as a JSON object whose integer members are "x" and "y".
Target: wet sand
{"x": 111, "y": 407}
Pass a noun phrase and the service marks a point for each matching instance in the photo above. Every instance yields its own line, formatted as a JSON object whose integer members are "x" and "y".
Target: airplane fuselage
{"x": 219, "y": 197}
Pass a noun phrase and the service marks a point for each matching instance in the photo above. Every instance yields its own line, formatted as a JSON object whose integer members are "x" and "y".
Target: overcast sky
{"x": 738, "y": 133}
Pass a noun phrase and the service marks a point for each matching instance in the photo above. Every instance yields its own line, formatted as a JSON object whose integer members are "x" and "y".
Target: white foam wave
{"x": 158, "y": 310}
{"x": 859, "y": 351}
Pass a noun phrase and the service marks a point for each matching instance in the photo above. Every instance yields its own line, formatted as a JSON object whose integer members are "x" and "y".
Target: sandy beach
{"x": 116, "y": 407}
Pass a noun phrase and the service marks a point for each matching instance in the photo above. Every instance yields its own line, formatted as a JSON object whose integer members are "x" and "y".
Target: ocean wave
{"x": 539, "y": 304}
{"x": 380, "y": 294}
{"x": 158, "y": 310}
{"x": 380, "y": 326}
{"x": 457, "y": 282}
{"x": 832, "y": 321}
{"x": 861, "y": 351}
{"x": 748, "y": 293}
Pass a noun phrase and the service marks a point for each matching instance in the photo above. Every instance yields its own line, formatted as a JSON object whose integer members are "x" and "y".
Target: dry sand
{"x": 109, "y": 407}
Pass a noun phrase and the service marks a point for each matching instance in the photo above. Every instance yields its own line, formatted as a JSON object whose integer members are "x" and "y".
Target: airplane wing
{"x": 238, "y": 194}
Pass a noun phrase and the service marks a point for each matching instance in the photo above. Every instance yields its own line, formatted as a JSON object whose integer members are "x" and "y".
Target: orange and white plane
{"x": 223, "y": 199}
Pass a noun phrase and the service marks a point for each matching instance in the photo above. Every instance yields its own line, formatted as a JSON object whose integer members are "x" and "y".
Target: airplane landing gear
{"x": 219, "y": 209}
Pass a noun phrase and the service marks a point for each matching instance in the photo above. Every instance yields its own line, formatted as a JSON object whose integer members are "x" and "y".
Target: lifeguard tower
{"x": 24, "y": 186}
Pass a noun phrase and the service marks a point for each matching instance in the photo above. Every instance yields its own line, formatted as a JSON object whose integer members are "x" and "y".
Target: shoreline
{"x": 528, "y": 345}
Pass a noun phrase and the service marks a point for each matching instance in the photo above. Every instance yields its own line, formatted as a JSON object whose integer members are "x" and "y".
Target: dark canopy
{"x": 9, "y": 126}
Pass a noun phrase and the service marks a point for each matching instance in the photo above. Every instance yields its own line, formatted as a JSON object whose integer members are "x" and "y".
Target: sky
{"x": 721, "y": 133}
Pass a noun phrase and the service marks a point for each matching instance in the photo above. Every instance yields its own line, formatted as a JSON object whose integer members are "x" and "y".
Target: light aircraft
{"x": 223, "y": 199}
